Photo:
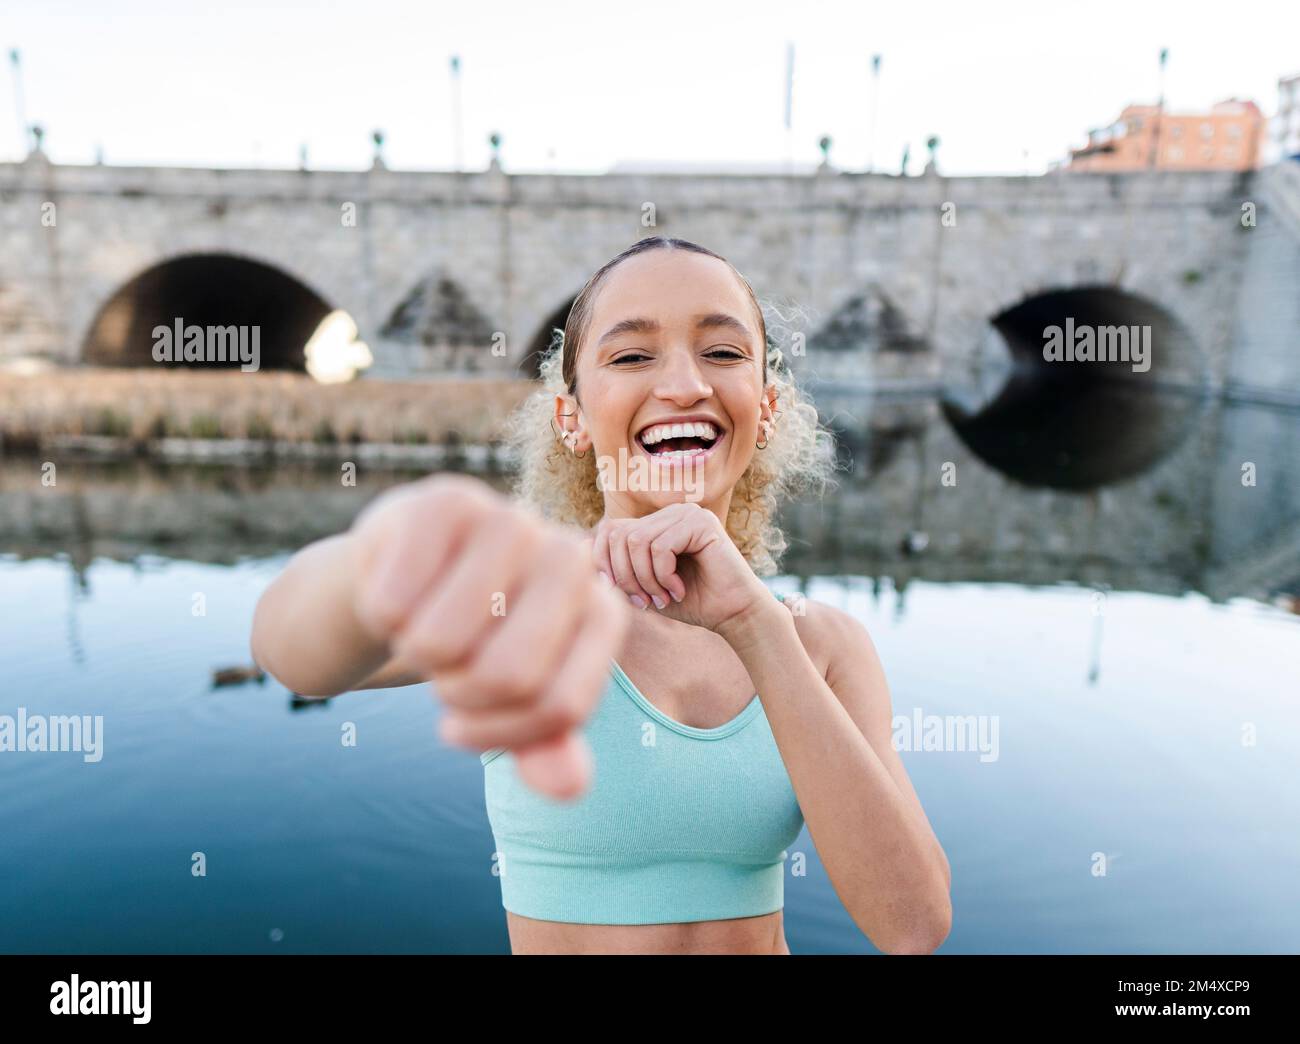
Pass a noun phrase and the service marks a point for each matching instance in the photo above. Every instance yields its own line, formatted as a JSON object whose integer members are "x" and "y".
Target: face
{"x": 670, "y": 384}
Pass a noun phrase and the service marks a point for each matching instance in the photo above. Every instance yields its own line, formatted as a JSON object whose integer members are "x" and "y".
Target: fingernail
{"x": 659, "y": 602}
{"x": 638, "y": 601}
{"x": 676, "y": 596}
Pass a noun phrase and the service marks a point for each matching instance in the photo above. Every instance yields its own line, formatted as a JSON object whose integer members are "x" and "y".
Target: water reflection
{"x": 1053, "y": 429}
{"x": 1123, "y": 637}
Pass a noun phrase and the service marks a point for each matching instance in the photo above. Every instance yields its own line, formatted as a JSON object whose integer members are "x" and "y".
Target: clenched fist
{"x": 503, "y": 610}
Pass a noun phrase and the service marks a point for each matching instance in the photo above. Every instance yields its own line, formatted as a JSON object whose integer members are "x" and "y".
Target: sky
{"x": 577, "y": 87}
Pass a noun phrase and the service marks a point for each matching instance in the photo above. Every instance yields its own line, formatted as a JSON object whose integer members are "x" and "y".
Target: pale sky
{"x": 580, "y": 86}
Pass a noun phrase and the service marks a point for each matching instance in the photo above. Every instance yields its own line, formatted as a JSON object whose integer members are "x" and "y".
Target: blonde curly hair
{"x": 799, "y": 456}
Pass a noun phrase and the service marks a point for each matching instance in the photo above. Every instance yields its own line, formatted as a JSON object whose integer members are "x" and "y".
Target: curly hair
{"x": 799, "y": 456}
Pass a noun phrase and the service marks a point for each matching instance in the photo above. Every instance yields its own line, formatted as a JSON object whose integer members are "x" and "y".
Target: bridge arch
{"x": 217, "y": 288}
{"x": 1175, "y": 354}
{"x": 1078, "y": 423}
{"x": 529, "y": 364}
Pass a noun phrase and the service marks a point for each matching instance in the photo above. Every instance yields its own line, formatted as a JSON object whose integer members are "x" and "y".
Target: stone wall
{"x": 939, "y": 256}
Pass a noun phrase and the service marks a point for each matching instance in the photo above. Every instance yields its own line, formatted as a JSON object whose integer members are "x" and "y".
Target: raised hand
{"x": 680, "y": 561}
{"x": 502, "y": 610}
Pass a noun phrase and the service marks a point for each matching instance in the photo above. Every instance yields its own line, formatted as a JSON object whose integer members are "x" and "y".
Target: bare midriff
{"x": 740, "y": 935}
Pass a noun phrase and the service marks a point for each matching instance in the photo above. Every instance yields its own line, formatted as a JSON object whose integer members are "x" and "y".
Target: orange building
{"x": 1228, "y": 137}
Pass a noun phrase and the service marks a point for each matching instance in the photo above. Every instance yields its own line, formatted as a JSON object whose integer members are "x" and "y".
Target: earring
{"x": 766, "y": 435}
{"x": 566, "y": 436}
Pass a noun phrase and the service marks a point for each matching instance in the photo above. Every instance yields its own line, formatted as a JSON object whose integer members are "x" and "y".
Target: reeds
{"x": 143, "y": 405}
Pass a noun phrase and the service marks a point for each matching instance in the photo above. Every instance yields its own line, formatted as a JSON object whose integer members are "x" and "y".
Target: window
{"x": 1234, "y": 131}
{"x": 1207, "y": 130}
{"x": 1176, "y": 131}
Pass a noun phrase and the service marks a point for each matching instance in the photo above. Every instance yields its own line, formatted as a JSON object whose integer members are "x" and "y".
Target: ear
{"x": 767, "y": 407}
{"x": 567, "y": 423}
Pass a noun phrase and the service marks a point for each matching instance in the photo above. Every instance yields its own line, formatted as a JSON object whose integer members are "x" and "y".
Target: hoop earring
{"x": 766, "y": 437}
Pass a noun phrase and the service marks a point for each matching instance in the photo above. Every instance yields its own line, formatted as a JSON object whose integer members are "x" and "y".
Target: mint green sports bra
{"x": 679, "y": 824}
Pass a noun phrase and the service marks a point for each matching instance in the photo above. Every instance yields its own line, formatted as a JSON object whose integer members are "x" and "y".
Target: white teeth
{"x": 659, "y": 432}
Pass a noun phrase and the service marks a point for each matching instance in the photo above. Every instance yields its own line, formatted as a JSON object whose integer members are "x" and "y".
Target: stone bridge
{"x": 891, "y": 280}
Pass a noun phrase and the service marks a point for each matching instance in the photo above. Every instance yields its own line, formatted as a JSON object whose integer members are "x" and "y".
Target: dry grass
{"x": 144, "y": 405}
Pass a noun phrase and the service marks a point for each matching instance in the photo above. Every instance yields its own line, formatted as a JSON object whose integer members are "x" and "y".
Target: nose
{"x": 680, "y": 379}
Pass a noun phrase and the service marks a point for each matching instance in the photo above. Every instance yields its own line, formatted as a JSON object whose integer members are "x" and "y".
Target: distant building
{"x": 1228, "y": 137}
{"x": 1284, "y": 129}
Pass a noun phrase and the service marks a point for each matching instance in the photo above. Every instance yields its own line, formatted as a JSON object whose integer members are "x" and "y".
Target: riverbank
{"x": 230, "y": 415}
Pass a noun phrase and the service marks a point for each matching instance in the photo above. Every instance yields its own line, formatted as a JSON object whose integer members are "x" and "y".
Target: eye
{"x": 726, "y": 352}
{"x": 630, "y": 357}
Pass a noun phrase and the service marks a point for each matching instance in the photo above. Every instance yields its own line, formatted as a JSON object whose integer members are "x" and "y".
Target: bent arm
{"x": 305, "y": 630}
{"x": 880, "y": 852}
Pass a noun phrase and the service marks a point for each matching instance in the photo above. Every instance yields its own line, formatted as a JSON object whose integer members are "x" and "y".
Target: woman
{"x": 680, "y": 437}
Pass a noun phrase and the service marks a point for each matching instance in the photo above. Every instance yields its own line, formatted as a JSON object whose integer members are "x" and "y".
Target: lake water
{"x": 1130, "y": 646}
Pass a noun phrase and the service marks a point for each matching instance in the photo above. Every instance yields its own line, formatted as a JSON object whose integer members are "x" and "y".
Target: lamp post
{"x": 1160, "y": 111}
{"x": 789, "y": 104}
{"x": 875, "y": 100}
{"x": 455, "y": 111}
{"x": 15, "y": 60}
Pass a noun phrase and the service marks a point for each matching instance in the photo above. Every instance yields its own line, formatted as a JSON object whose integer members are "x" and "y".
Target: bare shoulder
{"x": 837, "y": 642}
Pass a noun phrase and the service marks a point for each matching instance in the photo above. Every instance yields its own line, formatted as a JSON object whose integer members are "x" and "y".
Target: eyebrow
{"x": 640, "y": 324}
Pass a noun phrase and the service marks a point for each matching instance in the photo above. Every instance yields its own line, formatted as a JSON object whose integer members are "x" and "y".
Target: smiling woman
{"x": 760, "y": 718}
{"x": 732, "y": 342}
{"x": 644, "y": 772}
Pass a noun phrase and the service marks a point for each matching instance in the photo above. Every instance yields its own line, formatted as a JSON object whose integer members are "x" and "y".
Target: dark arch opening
{"x": 1078, "y": 423}
{"x": 530, "y": 364}
{"x": 207, "y": 290}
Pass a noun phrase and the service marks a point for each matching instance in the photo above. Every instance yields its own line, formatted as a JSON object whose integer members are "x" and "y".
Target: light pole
{"x": 1160, "y": 110}
{"x": 789, "y": 104}
{"x": 455, "y": 110}
{"x": 875, "y": 103}
{"x": 15, "y": 60}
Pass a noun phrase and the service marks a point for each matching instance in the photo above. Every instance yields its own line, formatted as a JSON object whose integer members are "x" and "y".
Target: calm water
{"x": 1128, "y": 641}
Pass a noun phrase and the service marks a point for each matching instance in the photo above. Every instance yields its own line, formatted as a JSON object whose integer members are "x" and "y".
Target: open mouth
{"x": 676, "y": 442}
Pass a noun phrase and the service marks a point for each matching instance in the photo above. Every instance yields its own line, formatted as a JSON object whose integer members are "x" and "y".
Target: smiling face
{"x": 670, "y": 392}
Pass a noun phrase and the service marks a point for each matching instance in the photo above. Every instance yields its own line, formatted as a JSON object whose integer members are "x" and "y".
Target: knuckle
{"x": 504, "y": 682}
{"x": 459, "y": 491}
{"x": 508, "y": 527}
{"x": 558, "y": 715}
{"x": 558, "y": 546}
{"x": 427, "y": 650}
